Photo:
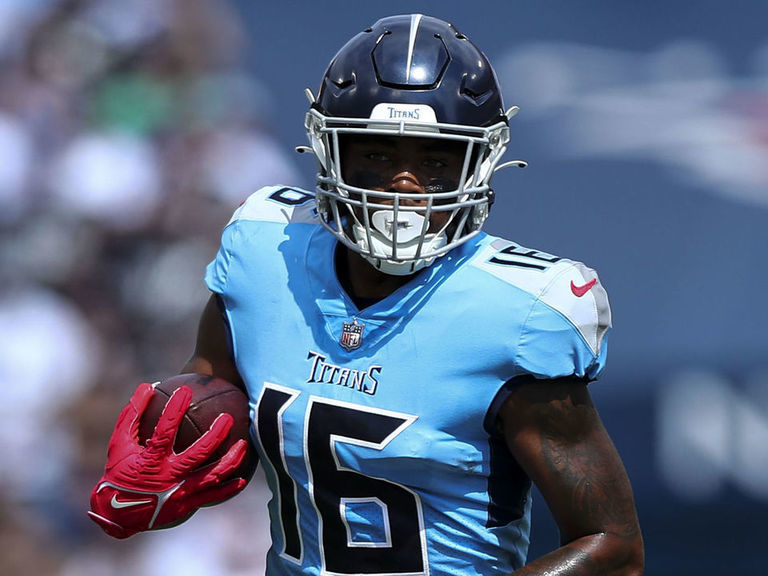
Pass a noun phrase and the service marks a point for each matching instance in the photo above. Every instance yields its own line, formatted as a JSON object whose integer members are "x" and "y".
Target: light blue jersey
{"x": 375, "y": 426}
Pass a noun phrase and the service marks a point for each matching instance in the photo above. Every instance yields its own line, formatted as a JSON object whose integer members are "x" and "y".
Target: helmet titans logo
{"x": 394, "y": 113}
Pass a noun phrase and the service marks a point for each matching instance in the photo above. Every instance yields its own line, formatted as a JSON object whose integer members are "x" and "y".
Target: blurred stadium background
{"x": 130, "y": 129}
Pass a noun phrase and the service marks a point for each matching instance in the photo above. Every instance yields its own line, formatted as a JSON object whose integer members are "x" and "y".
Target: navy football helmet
{"x": 409, "y": 76}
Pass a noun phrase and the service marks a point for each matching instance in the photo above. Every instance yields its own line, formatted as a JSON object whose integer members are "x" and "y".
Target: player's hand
{"x": 150, "y": 487}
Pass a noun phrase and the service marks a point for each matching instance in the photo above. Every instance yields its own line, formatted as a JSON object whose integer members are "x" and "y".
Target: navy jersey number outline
{"x": 290, "y": 196}
{"x": 332, "y": 485}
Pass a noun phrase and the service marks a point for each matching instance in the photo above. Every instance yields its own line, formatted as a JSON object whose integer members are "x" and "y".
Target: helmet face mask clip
{"x": 407, "y": 77}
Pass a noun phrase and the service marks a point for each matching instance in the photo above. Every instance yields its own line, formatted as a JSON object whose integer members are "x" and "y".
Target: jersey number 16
{"x": 333, "y": 487}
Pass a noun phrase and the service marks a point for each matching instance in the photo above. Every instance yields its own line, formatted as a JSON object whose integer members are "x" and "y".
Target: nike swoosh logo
{"x": 127, "y": 503}
{"x": 579, "y": 291}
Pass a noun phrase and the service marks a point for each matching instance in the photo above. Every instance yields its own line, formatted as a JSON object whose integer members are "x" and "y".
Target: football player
{"x": 409, "y": 375}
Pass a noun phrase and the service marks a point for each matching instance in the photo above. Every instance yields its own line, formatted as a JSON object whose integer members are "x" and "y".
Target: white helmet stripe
{"x": 415, "y": 19}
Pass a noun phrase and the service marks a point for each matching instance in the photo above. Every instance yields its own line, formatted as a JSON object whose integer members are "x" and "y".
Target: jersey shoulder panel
{"x": 278, "y": 204}
{"x": 260, "y": 222}
{"x": 568, "y": 287}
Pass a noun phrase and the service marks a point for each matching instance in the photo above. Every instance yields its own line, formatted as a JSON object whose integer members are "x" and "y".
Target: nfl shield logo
{"x": 351, "y": 335}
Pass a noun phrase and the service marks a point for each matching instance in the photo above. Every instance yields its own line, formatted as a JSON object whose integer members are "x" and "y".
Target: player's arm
{"x": 554, "y": 431}
{"x": 212, "y": 355}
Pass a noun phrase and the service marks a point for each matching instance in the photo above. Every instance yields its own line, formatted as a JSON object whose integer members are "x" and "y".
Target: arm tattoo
{"x": 559, "y": 439}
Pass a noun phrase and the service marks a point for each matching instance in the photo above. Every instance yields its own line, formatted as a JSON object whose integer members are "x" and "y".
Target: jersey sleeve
{"x": 216, "y": 272}
{"x": 565, "y": 333}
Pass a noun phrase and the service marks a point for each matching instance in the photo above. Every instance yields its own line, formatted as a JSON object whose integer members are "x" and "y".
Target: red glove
{"x": 150, "y": 487}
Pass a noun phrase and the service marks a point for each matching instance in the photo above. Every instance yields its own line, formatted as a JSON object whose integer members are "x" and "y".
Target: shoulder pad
{"x": 278, "y": 204}
{"x": 567, "y": 286}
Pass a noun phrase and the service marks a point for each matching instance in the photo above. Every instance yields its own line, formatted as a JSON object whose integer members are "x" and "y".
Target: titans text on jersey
{"x": 404, "y": 474}
{"x": 326, "y": 372}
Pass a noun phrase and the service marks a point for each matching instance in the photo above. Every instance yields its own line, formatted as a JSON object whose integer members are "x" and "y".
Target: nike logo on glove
{"x": 579, "y": 291}
{"x": 117, "y": 504}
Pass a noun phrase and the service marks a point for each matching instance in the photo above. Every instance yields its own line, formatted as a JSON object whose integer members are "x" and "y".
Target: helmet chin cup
{"x": 404, "y": 268}
{"x": 398, "y": 258}
{"x": 400, "y": 228}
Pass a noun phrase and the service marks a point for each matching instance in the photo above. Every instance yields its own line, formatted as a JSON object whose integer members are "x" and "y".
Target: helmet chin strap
{"x": 406, "y": 228}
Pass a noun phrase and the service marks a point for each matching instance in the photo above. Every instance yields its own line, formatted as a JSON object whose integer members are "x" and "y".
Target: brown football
{"x": 210, "y": 397}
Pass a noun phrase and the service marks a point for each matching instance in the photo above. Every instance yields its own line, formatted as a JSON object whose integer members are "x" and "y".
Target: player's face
{"x": 406, "y": 165}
